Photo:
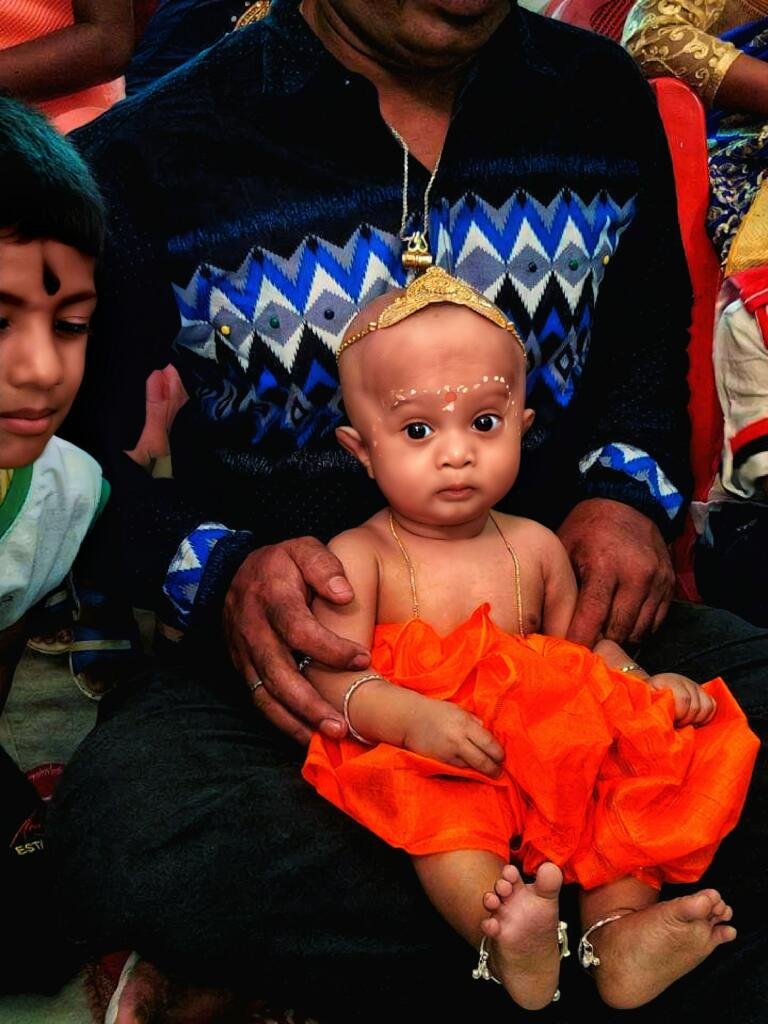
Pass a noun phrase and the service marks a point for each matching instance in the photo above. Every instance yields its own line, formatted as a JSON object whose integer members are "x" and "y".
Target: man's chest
{"x": 258, "y": 336}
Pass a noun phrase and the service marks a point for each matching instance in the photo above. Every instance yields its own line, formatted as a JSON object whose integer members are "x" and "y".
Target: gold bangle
{"x": 631, "y": 666}
{"x": 345, "y": 706}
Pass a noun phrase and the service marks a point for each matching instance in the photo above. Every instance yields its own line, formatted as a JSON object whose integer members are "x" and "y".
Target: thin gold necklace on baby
{"x": 417, "y": 255}
{"x": 416, "y": 612}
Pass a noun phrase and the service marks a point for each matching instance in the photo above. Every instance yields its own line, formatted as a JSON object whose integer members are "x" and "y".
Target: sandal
{"x": 51, "y": 622}
{"x": 106, "y": 646}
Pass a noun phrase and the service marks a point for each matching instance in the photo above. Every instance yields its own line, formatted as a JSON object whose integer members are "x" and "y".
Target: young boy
{"x": 51, "y": 231}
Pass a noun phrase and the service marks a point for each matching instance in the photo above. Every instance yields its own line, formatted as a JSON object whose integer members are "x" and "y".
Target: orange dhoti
{"x": 596, "y": 777}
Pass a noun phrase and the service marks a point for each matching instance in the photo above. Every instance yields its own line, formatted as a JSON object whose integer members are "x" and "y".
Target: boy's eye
{"x": 418, "y": 431}
{"x": 488, "y": 421}
{"x": 72, "y": 327}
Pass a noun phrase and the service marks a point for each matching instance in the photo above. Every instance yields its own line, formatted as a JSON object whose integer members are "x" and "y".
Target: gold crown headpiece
{"x": 433, "y": 286}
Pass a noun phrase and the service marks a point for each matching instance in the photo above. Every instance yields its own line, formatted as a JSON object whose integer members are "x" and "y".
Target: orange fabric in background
{"x": 24, "y": 20}
{"x": 596, "y": 776}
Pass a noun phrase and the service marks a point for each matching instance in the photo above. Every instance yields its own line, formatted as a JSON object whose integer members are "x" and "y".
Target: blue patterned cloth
{"x": 738, "y": 149}
{"x": 185, "y": 572}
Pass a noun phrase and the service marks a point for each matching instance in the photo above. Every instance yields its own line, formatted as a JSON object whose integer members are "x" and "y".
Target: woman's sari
{"x": 738, "y": 149}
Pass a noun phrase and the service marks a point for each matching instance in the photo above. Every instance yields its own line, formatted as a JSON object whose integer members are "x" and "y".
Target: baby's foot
{"x": 642, "y": 953}
{"x": 522, "y": 927}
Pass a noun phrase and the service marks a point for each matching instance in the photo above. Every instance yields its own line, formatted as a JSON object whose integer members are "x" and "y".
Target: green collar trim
{"x": 16, "y": 496}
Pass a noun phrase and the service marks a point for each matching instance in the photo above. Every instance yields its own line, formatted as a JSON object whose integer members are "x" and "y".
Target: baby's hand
{"x": 693, "y": 706}
{"x": 450, "y": 734}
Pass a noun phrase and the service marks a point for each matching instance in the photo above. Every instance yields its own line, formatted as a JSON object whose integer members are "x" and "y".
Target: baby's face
{"x": 47, "y": 298}
{"x": 438, "y": 402}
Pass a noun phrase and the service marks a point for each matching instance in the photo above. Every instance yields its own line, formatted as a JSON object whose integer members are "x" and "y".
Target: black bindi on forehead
{"x": 51, "y": 282}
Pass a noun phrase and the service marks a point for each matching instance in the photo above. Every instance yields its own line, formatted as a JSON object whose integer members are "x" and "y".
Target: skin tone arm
{"x": 625, "y": 573}
{"x": 744, "y": 86}
{"x": 95, "y": 49}
{"x": 381, "y": 711}
{"x": 266, "y": 616}
{"x": 693, "y": 706}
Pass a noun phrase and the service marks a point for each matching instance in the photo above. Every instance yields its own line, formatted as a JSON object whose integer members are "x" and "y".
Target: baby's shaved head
{"x": 371, "y": 312}
{"x": 433, "y": 377}
{"x": 442, "y": 345}
{"x": 354, "y": 378}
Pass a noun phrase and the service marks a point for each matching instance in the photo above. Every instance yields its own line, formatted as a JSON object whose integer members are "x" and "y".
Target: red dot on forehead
{"x": 451, "y": 396}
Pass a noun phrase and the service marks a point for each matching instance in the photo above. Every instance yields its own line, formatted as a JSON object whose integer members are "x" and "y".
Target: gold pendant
{"x": 417, "y": 255}
{"x": 254, "y": 12}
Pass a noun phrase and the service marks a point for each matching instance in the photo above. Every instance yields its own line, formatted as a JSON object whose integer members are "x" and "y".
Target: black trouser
{"x": 182, "y": 829}
{"x": 37, "y": 956}
{"x": 732, "y": 563}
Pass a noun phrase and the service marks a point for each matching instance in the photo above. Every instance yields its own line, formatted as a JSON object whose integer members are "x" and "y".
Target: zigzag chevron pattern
{"x": 634, "y": 462}
{"x": 257, "y": 345}
{"x": 186, "y": 569}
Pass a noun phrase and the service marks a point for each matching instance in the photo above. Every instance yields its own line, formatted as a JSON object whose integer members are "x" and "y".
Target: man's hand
{"x": 449, "y": 734}
{"x": 266, "y": 617}
{"x": 693, "y": 706}
{"x": 625, "y": 574}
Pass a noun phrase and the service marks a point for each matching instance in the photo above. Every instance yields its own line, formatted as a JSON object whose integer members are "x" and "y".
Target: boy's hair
{"x": 46, "y": 189}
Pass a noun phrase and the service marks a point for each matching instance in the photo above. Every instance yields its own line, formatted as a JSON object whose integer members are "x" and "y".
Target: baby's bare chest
{"x": 445, "y": 590}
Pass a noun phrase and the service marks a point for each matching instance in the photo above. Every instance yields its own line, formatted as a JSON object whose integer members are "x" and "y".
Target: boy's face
{"x": 47, "y": 299}
{"x": 438, "y": 405}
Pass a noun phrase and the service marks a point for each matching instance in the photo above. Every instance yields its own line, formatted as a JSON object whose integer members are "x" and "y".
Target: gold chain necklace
{"x": 417, "y": 255}
{"x": 412, "y": 572}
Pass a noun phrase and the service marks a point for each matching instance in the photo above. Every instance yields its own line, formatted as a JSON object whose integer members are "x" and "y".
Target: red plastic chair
{"x": 606, "y": 17}
{"x": 684, "y": 123}
{"x": 683, "y": 116}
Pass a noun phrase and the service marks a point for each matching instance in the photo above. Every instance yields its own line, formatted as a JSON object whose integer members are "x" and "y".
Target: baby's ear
{"x": 350, "y": 439}
{"x": 528, "y": 417}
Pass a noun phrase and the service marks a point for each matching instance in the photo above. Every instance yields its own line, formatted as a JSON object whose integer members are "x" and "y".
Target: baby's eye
{"x": 488, "y": 421}
{"x": 5, "y": 323}
{"x": 418, "y": 431}
{"x": 72, "y": 328}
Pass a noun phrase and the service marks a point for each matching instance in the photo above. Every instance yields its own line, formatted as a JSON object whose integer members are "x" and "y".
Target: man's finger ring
{"x": 253, "y": 687}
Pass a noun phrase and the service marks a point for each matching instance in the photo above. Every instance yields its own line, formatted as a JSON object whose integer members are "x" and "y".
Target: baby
{"x": 482, "y": 742}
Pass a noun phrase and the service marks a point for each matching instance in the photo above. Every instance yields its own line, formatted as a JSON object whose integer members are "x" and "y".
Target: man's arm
{"x": 96, "y": 48}
{"x": 634, "y": 465}
{"x": 178, "y": 551}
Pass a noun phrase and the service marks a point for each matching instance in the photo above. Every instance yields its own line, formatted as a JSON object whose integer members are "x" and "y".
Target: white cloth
{"x": 741, "y": 375}
{"x": 38, "y": 548}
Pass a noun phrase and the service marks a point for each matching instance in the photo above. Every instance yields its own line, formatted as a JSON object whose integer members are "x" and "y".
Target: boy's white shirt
{"x": 741, "y": 375}
{"x": 38, "y": 548}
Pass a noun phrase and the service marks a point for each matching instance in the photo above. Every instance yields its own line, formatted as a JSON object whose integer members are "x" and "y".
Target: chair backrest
{"x": 606, "y": 17}
{"x": 683, "y": 116}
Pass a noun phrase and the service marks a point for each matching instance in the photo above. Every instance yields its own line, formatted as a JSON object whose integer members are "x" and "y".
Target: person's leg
{"x": 12, "y": 640}
{"x": 520, "y": 920}
{"x": 732, "y": 558}
{"x": 37, "y": 956}
{"x": 703, "y": 642}
{"x": 642, "y": 946}
{"x": 183, "y": 829}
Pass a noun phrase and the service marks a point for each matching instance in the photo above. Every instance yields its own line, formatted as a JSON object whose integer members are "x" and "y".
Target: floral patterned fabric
{"x": 697, "y": 41}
